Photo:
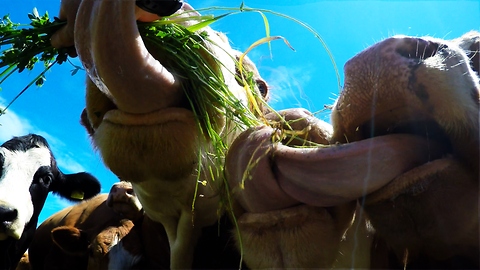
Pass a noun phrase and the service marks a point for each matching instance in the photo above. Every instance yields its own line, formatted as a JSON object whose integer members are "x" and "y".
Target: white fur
{"x": 18, "y": 171}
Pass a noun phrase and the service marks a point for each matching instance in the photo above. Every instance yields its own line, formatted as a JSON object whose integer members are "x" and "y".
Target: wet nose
{"x": 7, "y": 214}
{"x": 122, "y": 190}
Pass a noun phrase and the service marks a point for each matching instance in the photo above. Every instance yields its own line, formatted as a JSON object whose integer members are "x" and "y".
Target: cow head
{"x": 428, "y": 89}
{"x": 142, "y": 122}
{"x": 405, "y": 131}
{"x": 140, "y": 119}
{"x": 28, "y": 173}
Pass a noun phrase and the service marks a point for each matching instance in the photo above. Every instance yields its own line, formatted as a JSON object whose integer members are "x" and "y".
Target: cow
{"x": 295, "y": 198}
{"x": 29, "y": 172}
{"x": 405, "y": 140}
{"x": 407, "y": 136}
{"x": 427, "y": 88}
{"x": 89, "y": 235}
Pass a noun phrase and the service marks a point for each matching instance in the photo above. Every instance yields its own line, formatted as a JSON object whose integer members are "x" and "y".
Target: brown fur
{"x": 427, "y": 217}
{"x": 78, "y": 237}
{"x": 298, "y": 236}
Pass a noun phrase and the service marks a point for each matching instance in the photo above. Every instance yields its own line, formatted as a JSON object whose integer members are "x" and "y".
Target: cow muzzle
{"x": 9, "y": 226}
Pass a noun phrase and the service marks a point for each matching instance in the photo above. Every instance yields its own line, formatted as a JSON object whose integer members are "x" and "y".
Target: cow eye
{"x": 43, "y": 176}
{"x": 262, "y": 87}
{"x": 46, "y": 180}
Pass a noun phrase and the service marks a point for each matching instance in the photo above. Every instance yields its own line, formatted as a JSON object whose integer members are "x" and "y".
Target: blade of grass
{"x": 28, "y": 86}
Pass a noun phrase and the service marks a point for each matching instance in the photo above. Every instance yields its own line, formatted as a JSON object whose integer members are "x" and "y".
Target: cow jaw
{"x": 421, "y": 86}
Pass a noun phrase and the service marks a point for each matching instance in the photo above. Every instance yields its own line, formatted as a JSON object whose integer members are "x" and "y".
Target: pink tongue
{"x": 283, "y": 176}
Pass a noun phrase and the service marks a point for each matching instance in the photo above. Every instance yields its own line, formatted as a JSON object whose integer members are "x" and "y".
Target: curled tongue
{"x": 280, "y": 176}
{"x": 114, "y": 56}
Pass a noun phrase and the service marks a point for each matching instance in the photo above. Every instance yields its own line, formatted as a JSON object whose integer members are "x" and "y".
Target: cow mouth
{"x": 324, "y": 176}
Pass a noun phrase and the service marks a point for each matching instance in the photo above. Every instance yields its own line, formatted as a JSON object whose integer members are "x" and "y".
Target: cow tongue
{"x": 323, "y": 176}
{"x": 114, "y": 56}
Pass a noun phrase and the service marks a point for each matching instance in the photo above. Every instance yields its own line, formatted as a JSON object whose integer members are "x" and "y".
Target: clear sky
{"x": 301, "y": 78}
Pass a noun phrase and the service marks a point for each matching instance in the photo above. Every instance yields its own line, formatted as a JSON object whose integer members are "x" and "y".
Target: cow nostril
{"x": 416, "y": 48}
{"x": 7, "y": 214}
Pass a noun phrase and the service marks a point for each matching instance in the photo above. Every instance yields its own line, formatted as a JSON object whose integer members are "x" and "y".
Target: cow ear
{"x": 77, "y": 186}
{"x": 71, "y": 240}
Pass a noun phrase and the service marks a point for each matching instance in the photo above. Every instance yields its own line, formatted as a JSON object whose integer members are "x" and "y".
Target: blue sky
{"x": 301, "y": 78}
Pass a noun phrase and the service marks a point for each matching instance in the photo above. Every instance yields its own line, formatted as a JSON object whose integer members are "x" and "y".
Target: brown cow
{"x": 426, "y": 88}
{"x": 420, "y": 166}
{"x": 89, "y": 235}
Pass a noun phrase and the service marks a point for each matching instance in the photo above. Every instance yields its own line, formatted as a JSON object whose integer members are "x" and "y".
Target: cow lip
{"x": 158, "y": 117}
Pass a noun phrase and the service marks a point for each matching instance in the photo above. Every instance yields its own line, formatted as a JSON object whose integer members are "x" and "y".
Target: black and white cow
{"x": 28, "y": 172}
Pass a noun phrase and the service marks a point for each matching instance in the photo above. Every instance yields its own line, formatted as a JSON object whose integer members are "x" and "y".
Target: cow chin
{"x": 160, "y": 150}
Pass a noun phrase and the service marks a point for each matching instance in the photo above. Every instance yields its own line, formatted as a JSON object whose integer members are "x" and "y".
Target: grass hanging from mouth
{"x": 204, "y": 87}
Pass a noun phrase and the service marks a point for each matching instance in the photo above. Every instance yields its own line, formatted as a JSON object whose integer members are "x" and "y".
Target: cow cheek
{"x": 165, "y": 151}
